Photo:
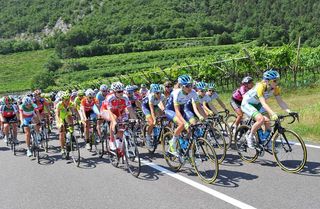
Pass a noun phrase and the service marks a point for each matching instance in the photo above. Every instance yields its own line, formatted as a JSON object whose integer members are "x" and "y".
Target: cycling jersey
{"x": 260, "y": 90}
{"x": 41, "y": 103}
{"x": 77, "y": 103}
{"x": 115, "y": 104}
{"x": 238, "y": 93}
{"x": 8, "y": 112}
{"x": 28, "y": 112}
{"x": 251, "y": 104}
{"x": 213, "y": 96}
{"x": 178, "y": 97}
{"x": 143, "y": 92}
{"x": 150, "y": 99}
{"x": 64, "y": 111}
{"x": 88, "y": 106}
{"x": 100, "y": 98}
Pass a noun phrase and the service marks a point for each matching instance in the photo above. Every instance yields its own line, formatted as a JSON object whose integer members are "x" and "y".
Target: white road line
{"x": 201, "y": 187}
{"x": 307, "y": 145}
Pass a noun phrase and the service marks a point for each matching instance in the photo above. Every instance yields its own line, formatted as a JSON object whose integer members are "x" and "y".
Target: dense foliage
{"x": 270, "y": 22}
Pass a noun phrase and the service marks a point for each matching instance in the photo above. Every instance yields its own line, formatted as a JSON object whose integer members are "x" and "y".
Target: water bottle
{"x": 68, "y": 137}
{"x": 156, "y": 131}
{"x": 181, "y": 142}
{"x": 119, "y": 146}
{"x": 266, "y": 134}
{"x": 261, "y": 135}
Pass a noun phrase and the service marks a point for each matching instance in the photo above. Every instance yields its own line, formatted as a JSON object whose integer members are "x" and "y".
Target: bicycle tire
{"x": 209, "y": 156}
{"x": 113, "y": 158}
{"x": 284, "y": 145}
{"x": 75, "y": 151}
{"x": 225, "y": 130}
{"x": 217, "y": 141}
{"x": 172, "y": 161}
{"x": 245, "y": 153}
{"x": 132, "y": 157}
{"x": 153, "y": 142}
{"x": 231, "y": 120}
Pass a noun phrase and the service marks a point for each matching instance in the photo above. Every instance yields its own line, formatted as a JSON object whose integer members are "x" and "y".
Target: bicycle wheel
{"x": 231, "y": 120}
{"x": 223, "y": 127}
{"x": 245, "y": 153}
{"x": 204, "y": 160}
{"x": 113, "y": 157}
{"x": 172, "y": 160}
{"x": 132, "y": 157}
{"x": 217, "y": 141}
{"x": 153, "y": 140}
{"x": 75, "y": 151}
{"x": 289, "y": 151}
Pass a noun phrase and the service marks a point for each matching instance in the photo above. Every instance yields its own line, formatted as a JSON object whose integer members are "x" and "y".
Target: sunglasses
{"x": 90, "y": 97}
{"x": 188, "y": 85}
{"x": 168, "y": 86}
{"x": 105, "y": 91}
{"x": 203, "y": 91}
{"x": 210, "y": 90}
{"x": 119, "y": 92}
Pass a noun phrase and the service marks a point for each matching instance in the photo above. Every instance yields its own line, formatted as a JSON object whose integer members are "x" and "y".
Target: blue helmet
{"x": 210, "y": 85}
{"x": 130, "y": 89}
{"x": 201, "y": 85}
{"x": 154, "y": 88}
{"x": 184, "y": 80}
{"x": 271, "y": 75}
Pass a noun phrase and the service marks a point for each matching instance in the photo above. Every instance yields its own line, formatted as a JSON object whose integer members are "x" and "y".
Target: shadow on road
{"x": 311, "y": 169}
{"x": 232, "y": 178}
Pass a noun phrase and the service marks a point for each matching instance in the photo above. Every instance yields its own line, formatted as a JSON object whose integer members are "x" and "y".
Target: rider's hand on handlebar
{"x": 274, "y": 116}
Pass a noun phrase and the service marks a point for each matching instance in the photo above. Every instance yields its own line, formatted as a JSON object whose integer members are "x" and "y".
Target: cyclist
{"x": 175, "y": 108}
{"x": 101, "y": 95}
{"x": 132, "y": 97}
{"x": 204, "y": 99}
{"x": 167, "y": 89}
{"x": 42, "y": 106}
{"x": 89, "y": 109}
{"x": 63, "y": 114}
{"x": 150, "y": 108}
{"x": 114, "y": 109}
{"x": 214, "y": 96}
{"x": 29, "y": 113}
{"x": 143, "y": 91}
{"x": 9, "y": 113}
{"x": 237, "y": 96}
{"x": 254, "y": 105}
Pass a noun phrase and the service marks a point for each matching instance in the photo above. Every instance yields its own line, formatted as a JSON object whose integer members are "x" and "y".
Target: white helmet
{"x": 27, "y": 100}
{"x": 117, "y": 86}
{"x": 103, "y": 87}
{"x": 90, "y": 93}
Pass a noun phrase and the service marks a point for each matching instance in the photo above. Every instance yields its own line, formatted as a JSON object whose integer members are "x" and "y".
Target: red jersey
{"x": 89, "y": 105}
{"x": 116, "y": 105}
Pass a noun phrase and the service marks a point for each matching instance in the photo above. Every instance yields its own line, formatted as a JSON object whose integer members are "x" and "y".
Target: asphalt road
{"x": 58, "y": 184}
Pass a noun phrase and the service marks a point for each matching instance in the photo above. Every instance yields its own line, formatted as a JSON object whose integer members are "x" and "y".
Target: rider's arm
{"x": 266, "y": 106}
{"x": 178, "y": 113}
{"x": 198, "y": 110}
{"x": 132, "y": 113}
{"x": 161, "y": 106}
{"x": 282, "y": 104}
{"x": 152, "y": 111}
{"x": 221, "y": 103}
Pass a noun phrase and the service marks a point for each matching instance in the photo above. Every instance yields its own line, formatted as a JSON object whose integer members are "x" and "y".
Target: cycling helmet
{"x": 167, "y": 83}
{"x": 117, "y": 86}
{"x": 37, "y": 92}
{"x": 143, "y": 86}
{"x": 74, "y": 94}
{"x": 210, "y": 85}
{"x": 246, "y": 80}
{"x": 65, "y": 96}
{"x": 27, "y": 100}
{"x": 90, "y": 93}
{"x": 6, "y": 100}
{"x": 201, "y": 85}
{"x": 271, "y": 75}
{"x": 80, "y": 93}
{"x": 103, "y": 87}
{"x": 155, "y": 88}
{"x": 96, "y": 91}
{"x": 184, "y": 80}
{"x": 130, "y": 89}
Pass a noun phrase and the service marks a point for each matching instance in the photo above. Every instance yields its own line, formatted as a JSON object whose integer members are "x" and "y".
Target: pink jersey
{"x": 238, "y": 94}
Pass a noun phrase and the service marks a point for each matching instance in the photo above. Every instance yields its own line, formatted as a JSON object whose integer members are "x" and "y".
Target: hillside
{"x": 269, "y": 21}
